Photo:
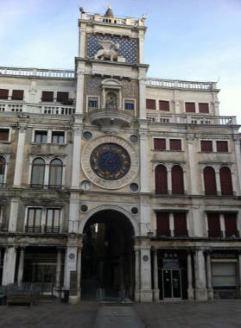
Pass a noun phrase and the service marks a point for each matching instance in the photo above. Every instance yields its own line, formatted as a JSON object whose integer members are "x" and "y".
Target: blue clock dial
{"x": 110, "y": 161}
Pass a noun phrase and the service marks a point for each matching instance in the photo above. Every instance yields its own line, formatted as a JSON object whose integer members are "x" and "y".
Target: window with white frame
{"x": 55, "y": 173}
{"x": 40, "y": 136}
{"x": 53, "y": 220}
{"x": 4, "y": 134}
{"x": 92, "y": 102}
{"x": 58, "y": 137}
{"x": 34, "y": 218}
{"x": 129, "y": 104}
{"x": 38, "y": 172}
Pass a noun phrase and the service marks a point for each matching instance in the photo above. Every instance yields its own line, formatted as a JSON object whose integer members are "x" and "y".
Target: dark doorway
{"x": 107, "y": 257}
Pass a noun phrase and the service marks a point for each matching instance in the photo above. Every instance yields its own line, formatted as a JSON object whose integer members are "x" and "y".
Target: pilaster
{"x": 9, "y": 265}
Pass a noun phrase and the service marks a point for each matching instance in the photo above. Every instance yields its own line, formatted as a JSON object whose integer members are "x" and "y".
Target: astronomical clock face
{"x": 109, "y": 162}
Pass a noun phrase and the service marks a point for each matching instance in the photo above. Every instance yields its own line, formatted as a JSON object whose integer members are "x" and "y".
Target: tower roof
{"x": 109, "y": 12}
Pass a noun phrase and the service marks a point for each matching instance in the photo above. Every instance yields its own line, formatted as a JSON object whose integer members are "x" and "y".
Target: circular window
{"x": 134, "y": 187}
{"x": 84, "y": 208}
{"x": 110, "y": 161}
{"x": 133, "y": 138}
{"x": 87, "y": 135}
{"x": 134, "y": 210}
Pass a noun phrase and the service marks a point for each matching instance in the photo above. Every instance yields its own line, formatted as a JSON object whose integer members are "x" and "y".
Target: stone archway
{"x": 108, "y": 256}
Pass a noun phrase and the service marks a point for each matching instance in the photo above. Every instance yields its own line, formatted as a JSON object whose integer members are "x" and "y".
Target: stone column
{"x": 137, "y": 275}
{"x": 21, "y": 266}
{"x": 79, "y": 108}
{"x": 19, "y": 157}
{"x": 58, "y": 268}
{"x": 141, "y": 45}
{"x": 142, "y": 92}
{"x": 9, "y": 265}
{"x": 156, "y": 278}
{"x": 222, "y": 225}
{"x": 171, "y": 224}
{"x": 190, "y": 291}
{"x": 145, "y": 274}
{"x": 169, "y": 180}
{"x": 75, "y": 179}
{"x": 79, "y": 272}
{"x": 12, "y": 223}
{"x": 239, "y": 273}
{"x": 144, "y": 170}
{"x": 192, "y": 178}
{"x": 200, "y": 276}
{"x": 209, "y": 277}
{"x": 218, "y": 183}
{"x": 238, "y": 162}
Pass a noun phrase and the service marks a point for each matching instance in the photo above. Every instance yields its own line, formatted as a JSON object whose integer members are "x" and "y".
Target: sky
{"x": 186, "y": 39}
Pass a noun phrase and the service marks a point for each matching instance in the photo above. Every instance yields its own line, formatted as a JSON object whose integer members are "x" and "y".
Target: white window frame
{"x": 9, "y": 134}
{"x": 87, "y": 102}
{"x": 54, "y": 143}
{"x": 132, "y": 100}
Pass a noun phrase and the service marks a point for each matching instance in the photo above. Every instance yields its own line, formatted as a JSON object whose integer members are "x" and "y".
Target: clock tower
{"x": 110, "y": 141}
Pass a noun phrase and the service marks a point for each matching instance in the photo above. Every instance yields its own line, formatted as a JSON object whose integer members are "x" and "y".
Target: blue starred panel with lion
{"x": 128, "y": 46}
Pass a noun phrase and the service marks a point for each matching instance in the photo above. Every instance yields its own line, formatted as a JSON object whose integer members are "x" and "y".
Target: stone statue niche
{"x": 109, "y": 51}
{"x": 111, "y": 100}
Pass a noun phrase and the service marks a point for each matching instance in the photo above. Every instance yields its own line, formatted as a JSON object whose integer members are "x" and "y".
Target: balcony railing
{"x": 38, "y": 72}
{"x": 16, "y": 107}
{"x": 191, "y": 119}
{"x": 49, "y": 187}
{"x": 179, "y": 84}
{"x": 40, "y": 229}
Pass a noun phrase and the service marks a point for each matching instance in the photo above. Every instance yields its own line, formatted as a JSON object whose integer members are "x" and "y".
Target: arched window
{"x": 226, "y": 181}
{"x": 161, "y": 179}
{"x": 209, "y": 181}
{"x": 2, "y": 169}
{"x": 55, "y": 173}
{"x": 177, "y": 180}
{"x": 38, "y": 170}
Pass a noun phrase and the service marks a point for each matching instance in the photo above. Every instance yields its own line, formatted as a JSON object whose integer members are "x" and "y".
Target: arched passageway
{"x": 108, "y": 258}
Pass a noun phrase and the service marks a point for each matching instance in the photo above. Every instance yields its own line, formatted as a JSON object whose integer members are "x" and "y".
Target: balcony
{"x": 110, "y": 119}
{"x": 45, "y": 229}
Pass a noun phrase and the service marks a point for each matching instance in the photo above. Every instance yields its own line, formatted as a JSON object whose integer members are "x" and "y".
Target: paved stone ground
{"x": 218, "y": 314}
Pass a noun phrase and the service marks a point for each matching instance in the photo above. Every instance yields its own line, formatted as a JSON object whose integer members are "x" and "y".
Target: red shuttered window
{"x": 17, "y": 95}
{"x": 150, "y": 103}
{"x": 180, "y": 224}
{"x": 159, "y": 144}
{"x": 230, "y": 221}
{"x": 175, "y": 144}
{"x": 222, "y": 146}
{"x": 161, "y": 179}
{"x": 206, "y": 146}
{"x": 3, "y": 94}
{"x": 164, "y": 105}
{"x": 214, "y": 229}
{"x": 209, "y": 181}
{"x": 226, "y": 181}
{"x": 48, "y": 96}
{"x": 162, "y": 224}
{"x": 177, "y": 180}
{"x": 190, "y": 107}
{"x": 203, "y": 107}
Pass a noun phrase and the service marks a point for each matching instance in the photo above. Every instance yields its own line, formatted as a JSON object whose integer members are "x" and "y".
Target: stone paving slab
{"x": 117, "y": 317}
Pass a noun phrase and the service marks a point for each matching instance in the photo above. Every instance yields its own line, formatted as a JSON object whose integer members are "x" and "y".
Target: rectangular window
{"x": 180, "y": 224}
{"x": 40, "y": 137}
{"x": 129, "y": 105}
{"x": 222, "y": 146}
{"x": 164, "y": 105}
{"x": 230, "y": 221}
{"x": 150, "y": 103}
{"x": 224, "y": 274}
{"x": 190, "y": 107}
{"x": 176, "y": 144}
{"x": 162, "y": 224}
{"x": 203, "y": 108}
{"x": 159, "y": 144}
{"x": 63, "y": 97}
{"x": 92, "y": 103}
{"x": 48, "y": 96}
{"x": 4, "y": 93}
{"x": 34, "y": 220}
{"x": 58, "y": 137}
{"x": 17, "y": 95}
{"x": 4, "y": 134}
{"x": 206, "y": 146}
{"x": 214, "y": 229}
{"x": 53, "y": 220}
